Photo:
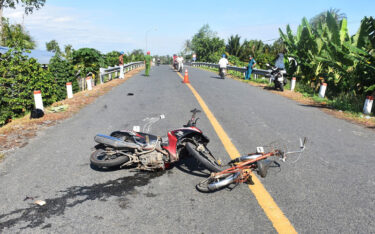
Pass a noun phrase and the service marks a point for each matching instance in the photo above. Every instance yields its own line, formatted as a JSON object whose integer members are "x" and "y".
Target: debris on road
{"x": 28, "y": 198}
{"x": 56, "y": 109}
{"x": 40, "y": 202}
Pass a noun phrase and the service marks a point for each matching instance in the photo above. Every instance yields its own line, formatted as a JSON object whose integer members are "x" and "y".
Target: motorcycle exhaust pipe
{"x": 115, "y": 142}
{"x": 230, "y": 179}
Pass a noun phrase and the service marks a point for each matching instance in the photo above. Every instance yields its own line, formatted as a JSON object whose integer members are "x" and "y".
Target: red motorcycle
{"x": 150, "y": 152}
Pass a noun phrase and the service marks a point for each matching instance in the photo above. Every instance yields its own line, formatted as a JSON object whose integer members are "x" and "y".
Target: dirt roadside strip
{"x": 17, "y": 133}
{"x": 298, "y": 97}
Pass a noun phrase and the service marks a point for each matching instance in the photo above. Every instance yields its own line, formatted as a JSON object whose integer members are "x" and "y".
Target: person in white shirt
{"x": 223, "y": 63}
{"x": 180, "y": 64}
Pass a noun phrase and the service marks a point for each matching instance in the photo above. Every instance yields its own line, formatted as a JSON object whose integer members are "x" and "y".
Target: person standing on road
{"x": 121, "y": 58}
{"x": 250, "y": 67}
{"x": 147, "y": 63}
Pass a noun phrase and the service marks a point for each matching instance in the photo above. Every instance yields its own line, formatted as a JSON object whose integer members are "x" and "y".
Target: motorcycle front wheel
{"x": 100, "y": 158}
{"x": 204, "y": 156}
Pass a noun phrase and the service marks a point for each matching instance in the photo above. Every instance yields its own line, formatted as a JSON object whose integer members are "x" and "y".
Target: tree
{"x": 87, "y": 60}
{"x": 29, "y": 5}
{"x": 321, "y": 18}
{"x": 187, "y": 47}
{"x": 112, "y": 58}
{"x": 207, "y": 45}
{"x": 136, "y": 55}
{"x": 15, "y": 35}
{"x": 234, "y": 46}
{"x": 20, "y": 76}
{"x": 53, "y": 46}
{"x": 63, "y": 72}
{"x": 68, "y": 49}
{"x": 344, "y": 62}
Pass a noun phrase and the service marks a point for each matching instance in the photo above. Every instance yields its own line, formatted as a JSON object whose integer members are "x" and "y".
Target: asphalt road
{"x": 330, "y": 189}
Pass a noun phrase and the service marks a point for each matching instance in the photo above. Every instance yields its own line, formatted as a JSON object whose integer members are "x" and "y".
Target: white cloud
{"x": 70, "y": 26}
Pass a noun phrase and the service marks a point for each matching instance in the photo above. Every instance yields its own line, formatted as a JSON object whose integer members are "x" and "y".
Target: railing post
{"x": 368, "y": 105}
{"x": 69, "y": 90}
{"x": 322, "y": 90}
{"x": 38, "y": 100}
{"x": 101, "y": 71}
{"x": 89, "y": 84}
{"x": 121, "y": 71}
{"x": 293, "y": 84}
{"x": 109, "y": 74}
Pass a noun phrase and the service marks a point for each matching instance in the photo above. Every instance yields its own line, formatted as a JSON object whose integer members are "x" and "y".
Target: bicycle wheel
{"x": 204, "y": 156}
{"x": 217, "y": 182}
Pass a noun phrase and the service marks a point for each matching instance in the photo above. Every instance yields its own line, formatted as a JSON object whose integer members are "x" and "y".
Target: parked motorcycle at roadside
{"x": 149, "y": 152}
{"x": 278, "y": 77}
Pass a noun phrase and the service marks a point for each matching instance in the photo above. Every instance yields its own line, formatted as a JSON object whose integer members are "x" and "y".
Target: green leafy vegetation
{"x": 19, "y": 77}
{"x": 321, "y": 51}
{"x": 325, "y": 52}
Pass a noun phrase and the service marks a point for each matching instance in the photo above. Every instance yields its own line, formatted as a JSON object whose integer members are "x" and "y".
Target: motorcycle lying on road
{"x": 240, "y": 169}
{"x": 277, "y": 76}
{"x": 222, "y": 72}
{"x": 150, "y": 152}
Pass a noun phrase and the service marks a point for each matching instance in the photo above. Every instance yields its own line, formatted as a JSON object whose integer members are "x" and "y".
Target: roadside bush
{"x": 20, "y": 76}
{"x": 63, "y": 72}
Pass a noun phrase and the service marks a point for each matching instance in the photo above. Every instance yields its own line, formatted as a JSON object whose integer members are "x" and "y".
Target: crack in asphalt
{"x": 35, "y": 215}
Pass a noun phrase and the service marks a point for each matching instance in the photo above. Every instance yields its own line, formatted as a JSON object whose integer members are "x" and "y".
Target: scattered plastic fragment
{"x": 40, "y": 202}
{"x": 28, "y": 198}
{"x": 136, "y": 128}
{"x": 61, "y": 108}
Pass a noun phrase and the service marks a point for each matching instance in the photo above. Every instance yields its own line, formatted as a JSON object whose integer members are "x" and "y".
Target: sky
{"x": 162, "y": 27}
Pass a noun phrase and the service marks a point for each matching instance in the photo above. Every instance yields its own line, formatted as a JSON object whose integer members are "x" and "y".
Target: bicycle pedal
{"x": 250, "y": 181}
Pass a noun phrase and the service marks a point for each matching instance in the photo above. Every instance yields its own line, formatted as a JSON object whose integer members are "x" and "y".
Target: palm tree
{"x": 321, "y": 17}
{"x": 187, "y": 47}
{"x": 234, "y": 46}
{"x": 15, "y": 35}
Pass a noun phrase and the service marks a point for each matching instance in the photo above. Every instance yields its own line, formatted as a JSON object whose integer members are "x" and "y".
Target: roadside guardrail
{"x": 261, "y": 72}
{"x": 118, "y": 70}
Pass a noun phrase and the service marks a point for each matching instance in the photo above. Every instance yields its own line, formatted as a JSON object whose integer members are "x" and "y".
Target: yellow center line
{"x": 273, "y": 212}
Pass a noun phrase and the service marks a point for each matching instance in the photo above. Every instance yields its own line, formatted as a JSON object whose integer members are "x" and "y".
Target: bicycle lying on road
{"x": 242, "y": 167}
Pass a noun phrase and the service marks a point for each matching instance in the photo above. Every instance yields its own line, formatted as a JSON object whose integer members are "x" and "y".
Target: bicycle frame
{"x": 243, "y": 166}
{"x": 243, "y": 169}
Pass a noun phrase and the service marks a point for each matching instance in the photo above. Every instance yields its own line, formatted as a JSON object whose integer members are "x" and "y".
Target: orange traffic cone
{"x": 186, "y": 77}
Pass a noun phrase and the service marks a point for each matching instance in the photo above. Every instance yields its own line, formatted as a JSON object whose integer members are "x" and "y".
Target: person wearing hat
{"x": 147, "y": 63}
{"x": 250, "y": 67}
{"x": 121, "y": 58}
{"x": 223, "y": 63}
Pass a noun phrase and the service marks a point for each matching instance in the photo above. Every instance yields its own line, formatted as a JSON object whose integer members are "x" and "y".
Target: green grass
{"x": 347, "y": 102}
{"x": 2, "y": 156}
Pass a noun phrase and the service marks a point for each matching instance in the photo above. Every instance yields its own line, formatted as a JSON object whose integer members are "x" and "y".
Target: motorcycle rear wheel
{"x": 100, "y": 159}
{"x": 204, "y": 157}
{"x": 282, "y": 87}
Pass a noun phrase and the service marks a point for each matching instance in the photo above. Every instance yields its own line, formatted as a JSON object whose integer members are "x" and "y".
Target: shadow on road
{"x": 216, "y": 77}
{"x": 35, "y": 215}
{"x": 320, "y": 106}
{"x": 190, "y": 166}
